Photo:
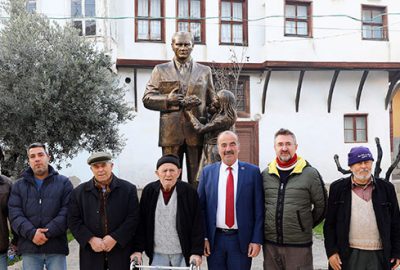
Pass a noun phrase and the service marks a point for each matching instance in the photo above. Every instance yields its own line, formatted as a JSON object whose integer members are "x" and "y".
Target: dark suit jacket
{"x": 174, "y": 127}
{"x": 249, "y": 203}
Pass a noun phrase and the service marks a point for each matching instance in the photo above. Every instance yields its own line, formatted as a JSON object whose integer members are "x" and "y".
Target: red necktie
{"x": 229, "y": 205}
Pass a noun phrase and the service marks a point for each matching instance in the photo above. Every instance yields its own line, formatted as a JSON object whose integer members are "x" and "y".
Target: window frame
{"x": 308, "y": 20}
{"x": 244, "y": 23}
{"x": 384, "y": 25}
{"x": 191, "y": 20}
{"x": 82, "y": 18}
{"x": 149, "y": 19}
{"x": 354, "y": 127}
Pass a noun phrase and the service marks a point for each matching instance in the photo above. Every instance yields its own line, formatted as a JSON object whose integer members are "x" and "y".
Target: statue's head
{"x": 182, "y": 44}
{"x": 226, "y": 97}
{"x": 227, "y": 103}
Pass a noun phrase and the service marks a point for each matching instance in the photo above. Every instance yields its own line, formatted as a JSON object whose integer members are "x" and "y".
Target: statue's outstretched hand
{"x": 195, "y": 122}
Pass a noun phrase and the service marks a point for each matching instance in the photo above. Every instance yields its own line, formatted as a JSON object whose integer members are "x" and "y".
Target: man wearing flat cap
{"x": 103, "y": 215}
{"x": 171, "y": 226}
{"x": 362, "y": 225}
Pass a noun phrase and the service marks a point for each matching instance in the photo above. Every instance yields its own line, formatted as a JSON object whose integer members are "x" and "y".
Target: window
{"x": 149, "y": 22}
{"x": 31, "y": 6}
{"x": 355, "y": 128}
{"x": 298, "y": 18}
{"x": 81, "y": 11}
{"x": 233, "y": 22}
{"x": 374, "y": 23}
{"x": 190, "y": 14}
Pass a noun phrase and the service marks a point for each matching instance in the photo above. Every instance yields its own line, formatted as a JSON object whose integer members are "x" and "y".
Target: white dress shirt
{"x": 223, "y": 177}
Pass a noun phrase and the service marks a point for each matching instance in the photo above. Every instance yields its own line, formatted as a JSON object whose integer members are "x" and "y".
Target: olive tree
{"x": 56, "y": 88}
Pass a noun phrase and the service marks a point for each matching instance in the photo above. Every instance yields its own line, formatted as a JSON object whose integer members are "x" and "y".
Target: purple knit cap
{"x": 359, "y": 154}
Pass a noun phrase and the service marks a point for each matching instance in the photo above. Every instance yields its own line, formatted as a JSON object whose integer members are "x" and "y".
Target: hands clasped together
{"x": 187, "y": 102}
{"x": 40, "y": 237}
{"x": 102, "y": 244}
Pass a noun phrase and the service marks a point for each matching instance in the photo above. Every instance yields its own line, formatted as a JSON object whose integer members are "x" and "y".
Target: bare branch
{"x": 379, "y": 158}
{"x": 339, "y": 167}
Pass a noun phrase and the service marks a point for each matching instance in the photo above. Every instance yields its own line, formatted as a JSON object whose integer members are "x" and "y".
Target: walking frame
{"x": 136, "y": 265}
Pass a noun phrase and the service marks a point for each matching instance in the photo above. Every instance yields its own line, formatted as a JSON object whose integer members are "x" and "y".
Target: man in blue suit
{"x": 232, "y": 200}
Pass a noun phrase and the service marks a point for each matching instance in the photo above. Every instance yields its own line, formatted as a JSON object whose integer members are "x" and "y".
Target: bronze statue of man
{"x": 176, "y": 86}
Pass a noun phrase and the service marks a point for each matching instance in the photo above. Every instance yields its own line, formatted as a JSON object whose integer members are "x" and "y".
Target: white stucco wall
{"x": 320, "y": 134}
{"x": 335, "y": 38}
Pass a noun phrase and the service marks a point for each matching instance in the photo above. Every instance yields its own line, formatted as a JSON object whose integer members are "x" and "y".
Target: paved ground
{"x": 318, "y": 252}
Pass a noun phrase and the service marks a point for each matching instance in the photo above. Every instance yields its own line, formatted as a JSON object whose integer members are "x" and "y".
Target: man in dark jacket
{"x": 38, "y": 213}
{"x": 103, "y": 215}
{"x": 171, "y": 225}
{"x": 362, "y": 225}
{"x": 5, "y": 188}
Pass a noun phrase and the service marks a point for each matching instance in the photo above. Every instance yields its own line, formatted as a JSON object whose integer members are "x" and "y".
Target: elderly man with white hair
{"x": 362, "y": 226}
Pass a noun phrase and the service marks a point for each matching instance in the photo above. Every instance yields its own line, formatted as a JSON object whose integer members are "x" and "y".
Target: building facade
{"x": 327, "y": 70}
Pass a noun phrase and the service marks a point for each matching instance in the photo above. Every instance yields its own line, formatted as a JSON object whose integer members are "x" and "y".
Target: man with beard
{"x": 38, "y": 207}
{"x": 231, "y": 198}
{"x": 295, "y": 202}
{"x": 362, "y": 226}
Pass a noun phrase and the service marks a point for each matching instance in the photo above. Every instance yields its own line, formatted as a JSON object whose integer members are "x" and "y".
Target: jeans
{"x": 168, "y": 260}
{"x": 32, "y": 261}
{"x": 3, "y": 261}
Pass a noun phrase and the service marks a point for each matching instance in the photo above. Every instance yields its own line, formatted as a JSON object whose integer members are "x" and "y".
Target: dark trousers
{"x": 366, "y": 260}
{"x": 287, "y": 258}
{"x": 192, "y": 154}
{"x": 226, "y": 254}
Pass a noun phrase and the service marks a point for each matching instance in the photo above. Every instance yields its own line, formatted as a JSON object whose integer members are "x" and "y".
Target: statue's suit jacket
{"x": 174, "y": 127}
{"x": 249, "y": 203}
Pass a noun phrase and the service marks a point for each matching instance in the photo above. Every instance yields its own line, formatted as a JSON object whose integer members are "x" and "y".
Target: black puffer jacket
{"x": 30, "y": 209}
{"x": 5, "y": 187}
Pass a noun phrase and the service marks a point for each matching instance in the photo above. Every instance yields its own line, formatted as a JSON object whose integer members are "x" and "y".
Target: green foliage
{"x": 319, "y": 229}
{"x": 70, "y": 237}
{"x": 57, "y": 88}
